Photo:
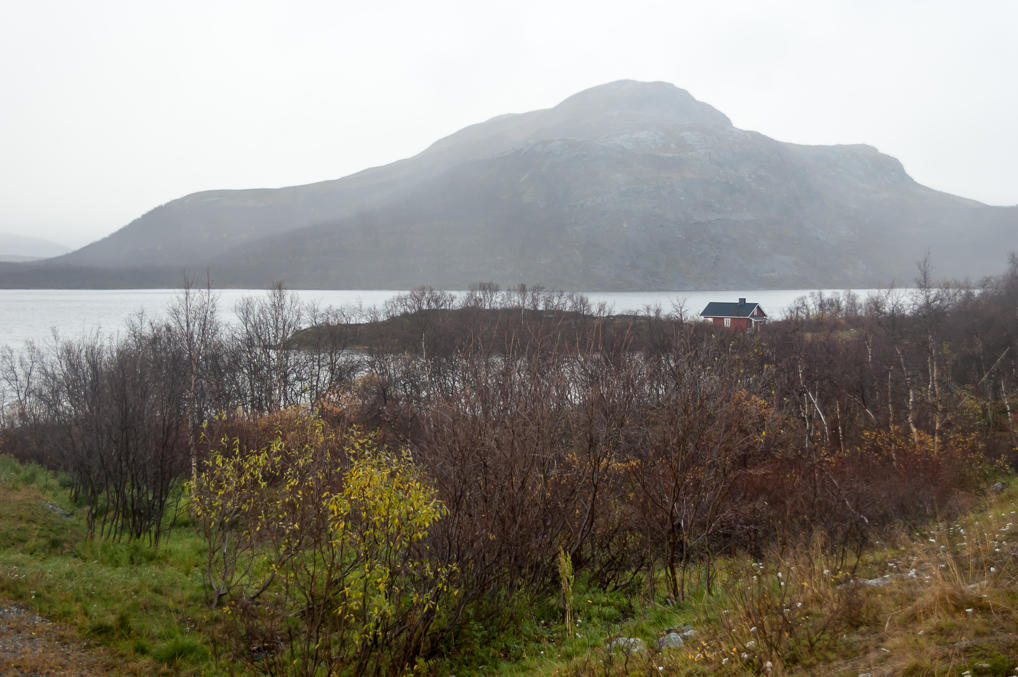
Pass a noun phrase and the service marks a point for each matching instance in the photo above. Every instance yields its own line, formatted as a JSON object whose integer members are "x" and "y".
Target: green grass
{"x": 957, "y": 614}
{"x": 536, "y": 643}
{"x": 146, "y": 604}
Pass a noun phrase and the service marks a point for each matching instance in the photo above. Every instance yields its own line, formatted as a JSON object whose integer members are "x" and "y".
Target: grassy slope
{"x": 144, "y": 605}
{"x": 941, "y": 602}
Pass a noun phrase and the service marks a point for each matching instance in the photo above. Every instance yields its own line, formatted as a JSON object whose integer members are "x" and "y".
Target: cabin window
{"x": 728, "y": 322}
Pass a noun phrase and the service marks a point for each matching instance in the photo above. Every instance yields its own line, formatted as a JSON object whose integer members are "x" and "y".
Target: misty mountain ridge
{"x": 15, "y": 247}
{"x": 628, "y": 185}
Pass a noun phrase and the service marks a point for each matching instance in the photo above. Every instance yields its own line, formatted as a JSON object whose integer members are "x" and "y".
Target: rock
{"x": 865, "y": 674}
{"x": 672, "y": 640}
{"x": 56, "y": 509}
{"x": 627, "y": 645}
{"x": 998, "y": 487}
{"x": 875, "y": 582}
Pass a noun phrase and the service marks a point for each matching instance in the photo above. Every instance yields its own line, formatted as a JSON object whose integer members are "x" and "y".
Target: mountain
{"x": 628, "y": 185}
{"x": 15, "y": 247}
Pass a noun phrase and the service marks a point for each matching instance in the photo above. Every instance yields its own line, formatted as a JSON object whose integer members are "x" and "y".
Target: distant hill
{"x": 24, "y": 248}
{"x": 628, "y": 185}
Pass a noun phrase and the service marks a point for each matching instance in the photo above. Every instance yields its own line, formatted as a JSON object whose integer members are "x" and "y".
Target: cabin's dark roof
{"x": 722, "y": 309}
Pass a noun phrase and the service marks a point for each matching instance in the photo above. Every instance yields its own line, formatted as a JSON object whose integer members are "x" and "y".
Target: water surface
{"x": 35, "y": 314}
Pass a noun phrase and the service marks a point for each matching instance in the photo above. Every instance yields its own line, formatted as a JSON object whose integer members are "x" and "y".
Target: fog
{"x": 111, "y": 108}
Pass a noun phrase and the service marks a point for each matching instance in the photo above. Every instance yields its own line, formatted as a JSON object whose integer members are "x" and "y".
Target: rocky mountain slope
{"x": 627, "y": 185}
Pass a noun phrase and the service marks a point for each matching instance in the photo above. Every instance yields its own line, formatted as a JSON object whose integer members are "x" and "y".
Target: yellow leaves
{"x": 361, "y": 525}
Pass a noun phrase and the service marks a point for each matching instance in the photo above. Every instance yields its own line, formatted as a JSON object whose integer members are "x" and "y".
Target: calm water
{"x": 34, "y": 314}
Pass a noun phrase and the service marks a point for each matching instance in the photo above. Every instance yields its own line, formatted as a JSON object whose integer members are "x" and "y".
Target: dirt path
{"x": 32, "y": 645}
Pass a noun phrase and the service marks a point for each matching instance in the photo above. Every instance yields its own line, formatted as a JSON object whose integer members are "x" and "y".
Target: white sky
{"x": 109, "y": 108}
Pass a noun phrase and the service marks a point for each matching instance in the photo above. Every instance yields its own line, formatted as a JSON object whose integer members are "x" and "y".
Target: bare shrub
{"x": 112, "y": 415}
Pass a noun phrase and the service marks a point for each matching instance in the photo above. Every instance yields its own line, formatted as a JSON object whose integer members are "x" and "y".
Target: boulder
{"x": 627, "y": 645}
{"x": 672, "y": 640}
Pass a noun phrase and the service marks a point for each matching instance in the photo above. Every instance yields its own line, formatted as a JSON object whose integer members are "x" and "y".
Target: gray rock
{"x": 876, "y": 582}
{"x": 672, "y": 640}
{"x": 627, "y": 645}
{"x": 998, "y": 487}
{"x": 56, "y": 509}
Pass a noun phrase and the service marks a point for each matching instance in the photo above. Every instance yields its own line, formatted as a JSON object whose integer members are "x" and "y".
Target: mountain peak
{"x": 605, "y": 111}
{"x": 628, "y": 185}
{"x": 661, "y": 100}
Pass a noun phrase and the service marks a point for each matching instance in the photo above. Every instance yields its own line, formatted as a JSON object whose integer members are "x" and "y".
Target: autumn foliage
{"x": 369, "y": 497}
{"x": 317, "y": 549}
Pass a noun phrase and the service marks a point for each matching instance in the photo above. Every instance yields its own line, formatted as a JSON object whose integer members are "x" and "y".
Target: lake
{"x": 34, "y": 314}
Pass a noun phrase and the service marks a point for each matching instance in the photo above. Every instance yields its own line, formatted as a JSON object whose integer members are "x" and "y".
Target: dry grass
{"x": 940, "y": 602}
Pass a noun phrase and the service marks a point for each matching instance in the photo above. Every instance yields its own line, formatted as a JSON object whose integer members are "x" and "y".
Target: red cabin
{"x": 741, "y": 316}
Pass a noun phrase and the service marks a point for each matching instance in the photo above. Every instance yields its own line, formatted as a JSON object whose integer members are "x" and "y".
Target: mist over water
{"x": 35, "y": 314}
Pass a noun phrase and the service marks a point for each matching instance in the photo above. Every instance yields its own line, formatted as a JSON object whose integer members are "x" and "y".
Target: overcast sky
{"x": 109, "y": 108}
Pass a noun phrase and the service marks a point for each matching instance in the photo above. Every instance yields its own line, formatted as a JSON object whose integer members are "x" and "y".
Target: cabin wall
{"x": 737, "y": 323}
